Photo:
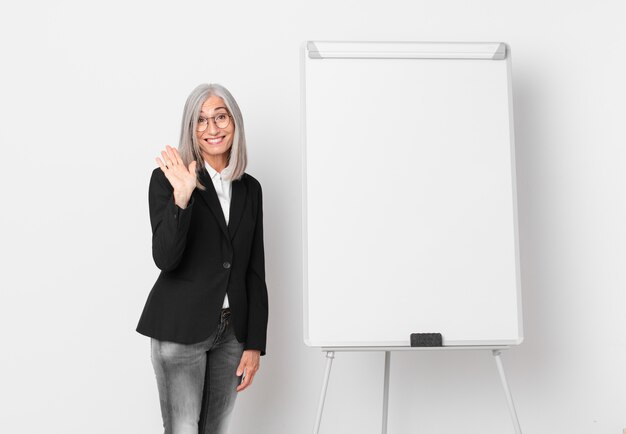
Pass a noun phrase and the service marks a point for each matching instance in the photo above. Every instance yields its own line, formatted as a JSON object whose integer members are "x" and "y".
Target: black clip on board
{"x": 426, "y": 340}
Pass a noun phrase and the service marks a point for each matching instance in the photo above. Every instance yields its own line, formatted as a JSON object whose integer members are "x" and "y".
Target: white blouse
{"x": 223, "y": 189}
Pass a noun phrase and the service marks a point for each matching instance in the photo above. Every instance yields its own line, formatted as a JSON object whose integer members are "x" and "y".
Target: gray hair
{"x": 189, "y": 148}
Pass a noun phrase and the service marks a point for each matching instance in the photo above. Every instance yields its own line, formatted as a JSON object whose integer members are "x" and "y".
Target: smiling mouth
{"x": 215, "y": 141}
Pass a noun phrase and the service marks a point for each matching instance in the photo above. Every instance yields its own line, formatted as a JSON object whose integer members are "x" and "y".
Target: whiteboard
{"x": 409, "y": 198}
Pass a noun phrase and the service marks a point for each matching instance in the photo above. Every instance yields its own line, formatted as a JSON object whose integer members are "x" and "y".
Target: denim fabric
{"x": 197, "y": 383}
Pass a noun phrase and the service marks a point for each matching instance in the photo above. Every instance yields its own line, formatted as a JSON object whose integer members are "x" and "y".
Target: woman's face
{"x": 215, "y": 142}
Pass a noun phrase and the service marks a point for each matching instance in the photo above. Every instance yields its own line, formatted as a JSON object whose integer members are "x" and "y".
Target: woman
{"x": 207, "y": 312}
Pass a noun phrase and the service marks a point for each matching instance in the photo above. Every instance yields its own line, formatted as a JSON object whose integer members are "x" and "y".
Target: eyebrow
{"x": 216, "y": 109}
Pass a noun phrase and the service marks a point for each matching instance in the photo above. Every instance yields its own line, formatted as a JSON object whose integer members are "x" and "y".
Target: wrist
{"x": 182, "y": 199}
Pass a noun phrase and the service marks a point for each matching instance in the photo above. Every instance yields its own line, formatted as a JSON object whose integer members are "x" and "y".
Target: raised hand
{"x": 181, "y": 177}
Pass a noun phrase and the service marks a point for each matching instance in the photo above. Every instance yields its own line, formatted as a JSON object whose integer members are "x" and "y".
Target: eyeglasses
{"x": 221, "y": 121}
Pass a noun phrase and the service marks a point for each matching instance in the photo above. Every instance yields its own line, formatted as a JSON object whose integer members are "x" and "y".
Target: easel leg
{"x": 330, "y": 355}
{"x": 386, "y": 391}
{"x": 509, "y": 397}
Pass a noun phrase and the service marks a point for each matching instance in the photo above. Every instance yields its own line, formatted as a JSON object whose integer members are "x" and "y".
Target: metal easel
{"x": 330, "y": 355}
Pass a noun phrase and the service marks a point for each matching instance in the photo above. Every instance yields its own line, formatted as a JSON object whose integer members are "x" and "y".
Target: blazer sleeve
{"x": 257, "y": 289}
{"x": 169, "y": 222}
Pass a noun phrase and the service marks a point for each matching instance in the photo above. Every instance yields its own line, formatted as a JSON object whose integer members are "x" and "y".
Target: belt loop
{"x": 225, "y": 317}
{"x": 225, "y": 313}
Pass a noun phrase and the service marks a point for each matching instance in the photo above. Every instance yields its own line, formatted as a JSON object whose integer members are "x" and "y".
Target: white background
{"x": 89, "y": 94}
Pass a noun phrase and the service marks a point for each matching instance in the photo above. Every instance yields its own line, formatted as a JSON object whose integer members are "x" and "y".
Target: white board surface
{"x": 409, "y": 201}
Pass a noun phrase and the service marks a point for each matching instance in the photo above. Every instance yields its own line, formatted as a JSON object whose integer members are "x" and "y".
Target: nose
{"x": 212, "y": 127}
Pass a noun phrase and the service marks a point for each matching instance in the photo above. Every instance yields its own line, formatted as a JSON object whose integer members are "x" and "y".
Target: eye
{"x": 221, "y": 117}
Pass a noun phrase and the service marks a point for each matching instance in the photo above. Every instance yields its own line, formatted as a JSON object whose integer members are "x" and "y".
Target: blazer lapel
{"x": 237, "y": 204}
{"x": 210, "y": 197}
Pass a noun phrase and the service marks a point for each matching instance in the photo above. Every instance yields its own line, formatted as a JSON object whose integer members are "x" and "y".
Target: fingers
{"x": 176, "y": 159}
{"x": 170, "y": 157}
{"x": 242, "y": 372}
{"x": 168, "y": 160}
{"x": 241, "y": 367}
{"x": 247, "y": 380}
{"x": 248, "y": 366}
{"x": 182, "y": 177}
{"x": 161, "y": 164}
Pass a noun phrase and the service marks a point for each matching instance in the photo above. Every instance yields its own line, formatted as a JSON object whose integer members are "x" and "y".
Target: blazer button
{"x": 226, "y": 265}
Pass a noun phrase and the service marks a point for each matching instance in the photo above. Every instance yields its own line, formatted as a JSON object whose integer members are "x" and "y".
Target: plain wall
{"x": 91, "y": 92}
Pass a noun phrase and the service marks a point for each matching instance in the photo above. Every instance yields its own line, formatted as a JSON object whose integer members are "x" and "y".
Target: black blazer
{"x": 202, "y": 260}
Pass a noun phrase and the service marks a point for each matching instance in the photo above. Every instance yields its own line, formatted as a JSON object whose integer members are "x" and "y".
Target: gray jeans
{"x": 197, "y": 382}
